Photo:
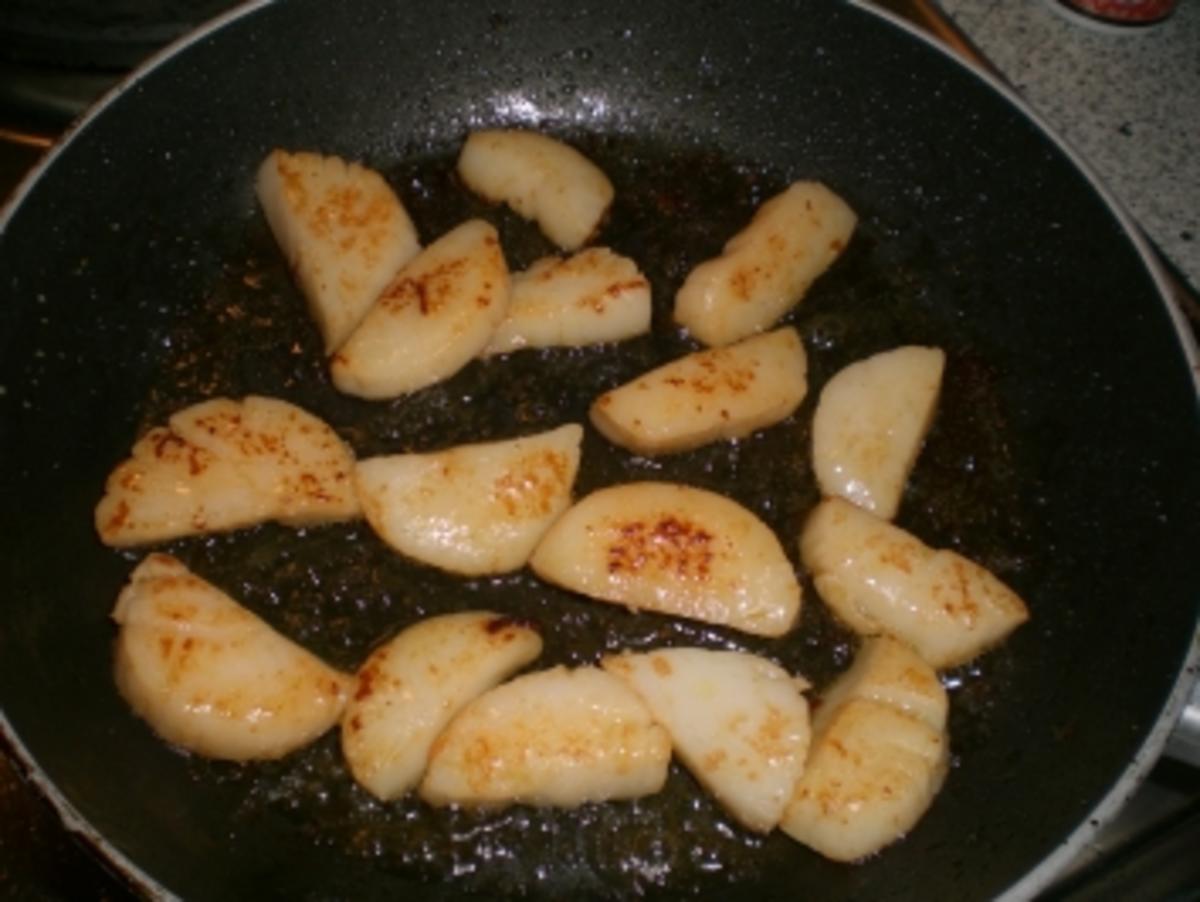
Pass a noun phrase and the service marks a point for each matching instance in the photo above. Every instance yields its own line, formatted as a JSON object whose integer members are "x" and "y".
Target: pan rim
{"x": 1044, "y": 874}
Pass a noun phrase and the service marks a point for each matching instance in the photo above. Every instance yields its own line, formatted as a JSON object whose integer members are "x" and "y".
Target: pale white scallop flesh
{"x": 890, "y": 672}
{"x": 472, "y": 509}
{"x": 212, "y": 677}
{"x": 737, "y": 721}
{"x": 224, "y": 464}
{"x": 766, "y": 268}
{"x": 707, "y": 396}
{"x": 432, "y": 319}
{"x": 673, "y": 549}
{"x": 880, "y": 579}
{"x": 878, "y": 757}
{"x": 343, "y": 230}
{"x": 871, "y": 422}
{"x": 541, "y": 178}
{"x": 872, "y": 773}
{"x": 556, "y": 738}
{"x": 410, "y": 687}
{"x": 593, "y": 297}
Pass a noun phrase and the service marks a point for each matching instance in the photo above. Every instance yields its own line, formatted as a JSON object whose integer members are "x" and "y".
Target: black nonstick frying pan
{"x": 139, "y": 276}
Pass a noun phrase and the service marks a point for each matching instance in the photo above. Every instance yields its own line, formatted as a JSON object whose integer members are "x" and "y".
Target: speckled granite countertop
{"x": 1128, "y": 103}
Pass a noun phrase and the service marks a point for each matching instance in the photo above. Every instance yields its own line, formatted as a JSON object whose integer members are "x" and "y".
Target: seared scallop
{"x": 592, "y": 297}
{"x": 737, "y": 721}
{"x": 210, "y": 676}
{"x": 410, "y": 688}
{"x": 872, "y": 773}
{"x": 870, "y": 424}
{"x": 225, "y": 464}
{"x": 557, "y": 737}
{"x": 432, "y": 319}
{"x": 675, "y": 550}
{"x": 765, "y": 269}
{"x": 720, "y": 393}
{"x": 878, "y": 757}
{"x": 880, "y": 579}
{"x": 887, "y": 671}
{"x": 472, "y": 509}
{"x": 344, "y": 233}
{"x": 541, "y": 178}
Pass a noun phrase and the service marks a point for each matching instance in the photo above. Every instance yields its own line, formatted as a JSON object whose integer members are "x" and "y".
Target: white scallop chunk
{"x": 765, "y": 269}
{"x": 891, "y": 673}
{"x": 431, "y": 320}
{"x": 472, "y": 509}
{"x": 225, "y": 464}
{"x": 210, "y": 676}
{"x": 872, "y": 773}
{"x": 344, "y": 233}
{"x": 410, "y": 688}
{"x": 541, "y": 178}
{"x": 720, "y": 393}
{"x": 592, "y": 297}
{"x": 737, "y": 721}
{"x": 287, "y": 454}
{"x": 870, "y": 424}
{"x": 675, "y": 550}
{"x": 878, "y": 756}
{"x": 557, "y": 737}
{"x": 880, "y": 579}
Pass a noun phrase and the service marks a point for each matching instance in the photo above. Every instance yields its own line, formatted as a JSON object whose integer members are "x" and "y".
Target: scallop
{"x": 541, "y": 178}
{"x": 880, "y": 579}
{"x": 872, "y": 773}
{"x": 870, "y": 425}
{"x": 343, "y": 230}
{"x": 673, "y": 549}
{"x": 765, "y": 269}
{"x": 210, "y": 676}
{"x": 887, "y": 671}
{"x": 410, "y": 688}
{"x": 711, "y": 395}
{"x": 555, "y": 738}
{"x": 436, "y": 316}
{"x": 225, "y": 464}
{"x": 472, "y": 509}
{"x": 879, "y": 754}
{"x": 737, "y": 721}
{"x": 592, "y": 297}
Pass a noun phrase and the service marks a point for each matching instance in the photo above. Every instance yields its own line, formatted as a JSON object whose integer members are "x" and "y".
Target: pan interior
{"x": 1060, "y": 458}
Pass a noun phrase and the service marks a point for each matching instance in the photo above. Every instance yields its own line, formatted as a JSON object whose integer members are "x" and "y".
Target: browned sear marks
{"x": 669, "y": 544}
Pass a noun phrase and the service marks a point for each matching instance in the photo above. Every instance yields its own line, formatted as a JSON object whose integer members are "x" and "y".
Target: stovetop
{"x": 1147, "y": 852}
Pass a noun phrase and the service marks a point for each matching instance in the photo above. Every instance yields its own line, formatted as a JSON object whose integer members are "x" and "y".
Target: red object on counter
{"x": 1131, "y": 13}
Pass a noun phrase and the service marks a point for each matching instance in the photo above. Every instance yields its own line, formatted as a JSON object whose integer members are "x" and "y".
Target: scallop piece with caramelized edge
{"x": 676, "y": 550}
{"x": 592, "y": 297}
{"x": 557, "y": 738}
{"x": 410, "y": 688}
{"x": 872, "y": 773}
{"x": 887, "y": 671}
{"x": 432, "y": 319}
{"x": 541, "y": 178}
{"x": 737, "y": 721}
{"x": 344, "y": 233}
{"x": 765, "y": 269}
{"x": 870, "y": 424}
{"x": 210, "y": 676}
{"x": 879, "y": 754}
{"x": 880, "y": 579}
{"x": 721, "y": 393}
{"x": 472, "y": 509}
{"x": 225, "y": 464}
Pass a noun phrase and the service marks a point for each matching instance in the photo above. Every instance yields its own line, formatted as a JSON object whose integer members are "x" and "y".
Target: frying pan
{"x": 139, "y": 276}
